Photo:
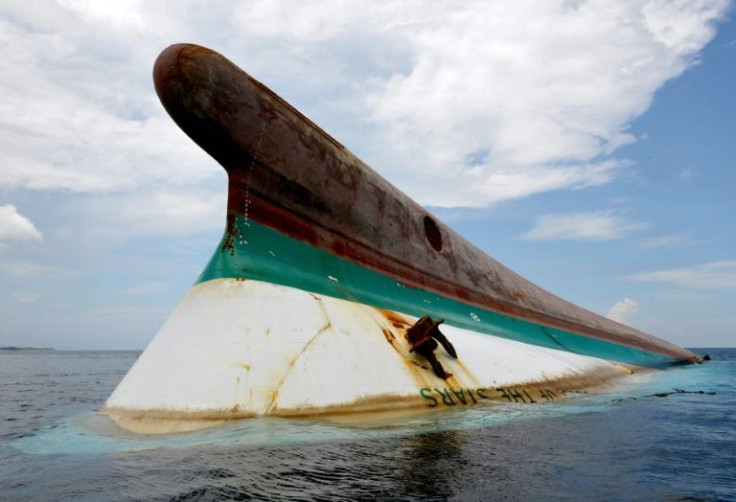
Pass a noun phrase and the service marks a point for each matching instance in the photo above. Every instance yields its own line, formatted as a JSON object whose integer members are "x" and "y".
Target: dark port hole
{"x": 432, "y": 231}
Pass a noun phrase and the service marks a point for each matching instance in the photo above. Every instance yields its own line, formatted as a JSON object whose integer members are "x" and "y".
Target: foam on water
{"x": 92, "y": 433}
{"x": 624, "y": 445}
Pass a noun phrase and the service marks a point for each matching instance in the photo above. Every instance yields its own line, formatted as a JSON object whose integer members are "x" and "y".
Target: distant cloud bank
{"x": 592, "y": 226}
{"x": 708, "y": 276}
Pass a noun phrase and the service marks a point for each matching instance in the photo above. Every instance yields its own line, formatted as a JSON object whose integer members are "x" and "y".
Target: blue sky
{"x": 586, "y": 145}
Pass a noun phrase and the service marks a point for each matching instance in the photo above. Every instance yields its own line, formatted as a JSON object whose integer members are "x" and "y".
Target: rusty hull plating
{"x": 305, "y": 307}
{"x": 288, "y": 174}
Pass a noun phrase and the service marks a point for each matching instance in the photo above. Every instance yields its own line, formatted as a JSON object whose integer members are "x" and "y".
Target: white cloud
{"x": 16, "y": 227}
{"x": 667, "y": 241}
{"x": 678, "y": 24}
{"x": 594, "y": 226}
{"x": 307, "y": 21}
{"x": 28, "y": 269}
{"x": 169, "y": 213}
{"x": 544, "y": 91}
{"x": 25, "y": 297}
{"x": 460, "y": 104}
{"x": 623, "y": 310}
{"x": 79, "y": 113}
{"x": 124, "y": 13}
{"x": 719, "y": 275}
{"x": 145, "y": 289}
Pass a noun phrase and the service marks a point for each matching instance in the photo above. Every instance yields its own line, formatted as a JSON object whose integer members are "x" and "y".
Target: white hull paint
{"x": 239, "y": 348}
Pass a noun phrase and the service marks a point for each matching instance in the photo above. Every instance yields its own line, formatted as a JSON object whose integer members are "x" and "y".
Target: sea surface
{"x": 646, "y": 441}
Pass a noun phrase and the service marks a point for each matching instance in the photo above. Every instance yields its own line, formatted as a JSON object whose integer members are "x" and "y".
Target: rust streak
{"x": 396, "y": 320}
{"x": 275, "y": 391}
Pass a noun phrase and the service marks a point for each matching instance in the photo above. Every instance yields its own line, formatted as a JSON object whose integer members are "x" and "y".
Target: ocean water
{"x": 627, "y": 445}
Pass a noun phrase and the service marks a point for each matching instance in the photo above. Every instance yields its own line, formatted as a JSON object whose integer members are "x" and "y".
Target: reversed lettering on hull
{"x": 448, "y": 396}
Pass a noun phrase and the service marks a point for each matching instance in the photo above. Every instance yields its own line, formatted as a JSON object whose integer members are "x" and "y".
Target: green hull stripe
{"x": 261, "y": 253}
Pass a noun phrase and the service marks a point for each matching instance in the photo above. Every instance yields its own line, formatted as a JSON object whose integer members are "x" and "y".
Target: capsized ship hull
{"x": 305, "y": 305}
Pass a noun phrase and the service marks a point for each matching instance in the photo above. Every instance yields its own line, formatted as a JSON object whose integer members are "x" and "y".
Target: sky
{"x": 587, "y": 145}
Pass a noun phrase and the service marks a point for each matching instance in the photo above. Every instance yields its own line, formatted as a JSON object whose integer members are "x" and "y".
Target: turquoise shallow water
{"x": 627, "y": 445}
